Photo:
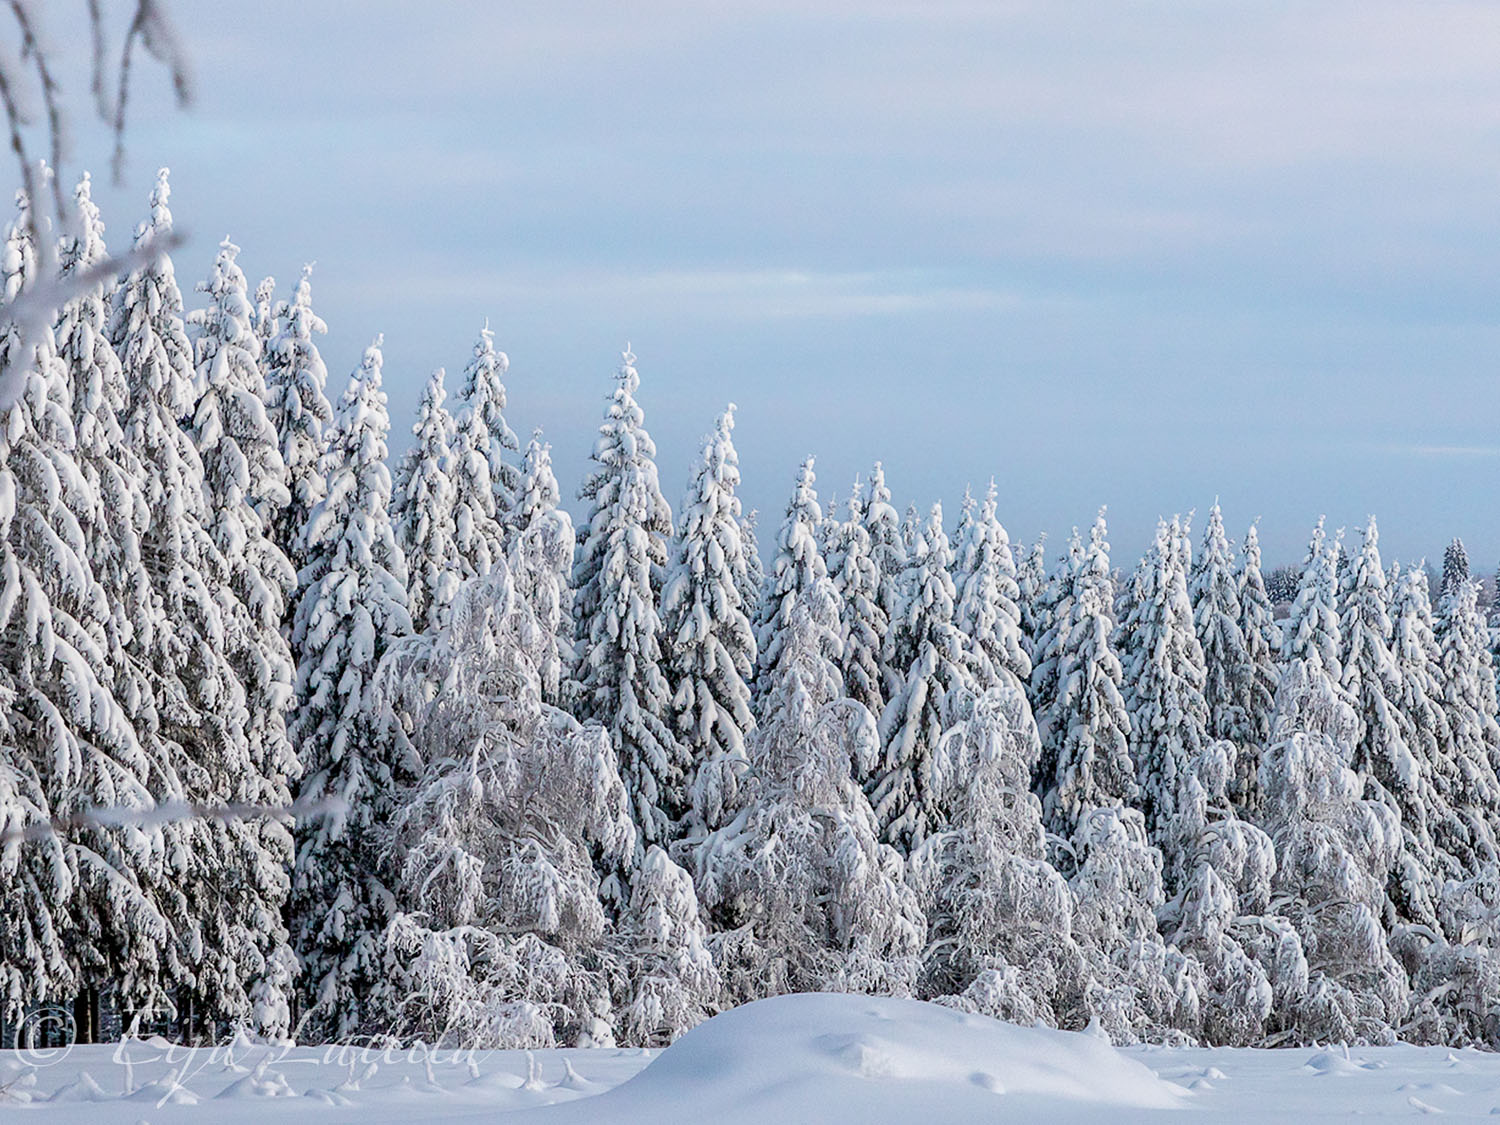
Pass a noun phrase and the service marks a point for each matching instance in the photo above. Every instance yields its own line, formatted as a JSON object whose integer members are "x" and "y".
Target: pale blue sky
{"x": 1138, "y": 254}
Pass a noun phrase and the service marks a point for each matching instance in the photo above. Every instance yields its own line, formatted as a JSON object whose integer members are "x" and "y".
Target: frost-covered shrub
{"x": 1333, "y": 849}
{"x": 498, "y": 937}
{"x": 999, "y": 916}
{"x": 804, "y": 895}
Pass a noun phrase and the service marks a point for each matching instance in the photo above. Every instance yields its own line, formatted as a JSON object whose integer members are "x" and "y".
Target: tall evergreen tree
{"x": 710, "y": 643}
{"x": 297, "y": 396}
{"x": 1087, "y": 723}
{"x": 984, "y": 576}
{"x": 863, "y": 624}
{"x": 888, "y": 553}
{"x": 1383, "y": 756}
{"x": 483, "y": 421}
{"x": 1467, "y": 769}
{"x": 623, "y": 549}
{"x": 938, "y": 692}
{"x": 1262, "y": 637}
{"x": 353, "y": 605}
{"x": 1164, "y": 678}
{"x": 542, "y": 547}
{"x": 1455, "y": 568}
{"x": 201, "y": 701}
{"x": 1313, "y": 627}
{"x": 78, "y": 904}
{"x": 1229, "y": 676}
{"x": 1031, "y": 582}
{"x": 424, "y": 512}
{"x": 244, "y": 480}
{"x": 1052, "y": 609}
{"x": 799, "y": 568}
{"x": 1424, "y": 720}
{"x": 484, "y": 482}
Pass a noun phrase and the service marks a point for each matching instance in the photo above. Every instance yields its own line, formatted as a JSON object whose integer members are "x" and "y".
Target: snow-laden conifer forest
{"x": 301, "y": 741}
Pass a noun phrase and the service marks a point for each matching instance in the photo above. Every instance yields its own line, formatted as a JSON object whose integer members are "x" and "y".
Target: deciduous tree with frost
{"x": 1333, "y": 852}
{"x": 804, "y": 896}
{"x": 1253, "y": 962}
{"x": 499, "y": 938}
{"x": 1000, "y": 917}
{"x": 352, "y": 607}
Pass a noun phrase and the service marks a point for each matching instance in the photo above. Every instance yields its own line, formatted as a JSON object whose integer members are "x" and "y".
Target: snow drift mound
{"x": 834, "y": 1057}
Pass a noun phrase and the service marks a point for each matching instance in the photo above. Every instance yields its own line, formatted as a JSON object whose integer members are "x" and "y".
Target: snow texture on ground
{"x": 813, "y": 1058}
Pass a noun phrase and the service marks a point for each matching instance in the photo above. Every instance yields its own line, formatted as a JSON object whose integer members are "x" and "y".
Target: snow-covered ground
{"x": 811, "y": 1058}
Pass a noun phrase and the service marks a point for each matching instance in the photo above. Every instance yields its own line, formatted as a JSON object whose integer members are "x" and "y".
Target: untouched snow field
{"x": 812, "y": 1058}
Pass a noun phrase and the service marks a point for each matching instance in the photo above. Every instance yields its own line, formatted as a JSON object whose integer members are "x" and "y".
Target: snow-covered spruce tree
{"x": 1000, "y": 917}
{"x": 353, "y": 605}
{"x": 1031, "y": 583}
{"x": 1465, "y": 770}
{"x": 1455, "y": 568}
{"x": 984, "y": 577}
{"x": 484, "y": 483}
{"x": 1313, "y": 626}
{"x": 711, "y": 650}
{"x": 542, "y": 546}
{"x": 1213, "y": 588}
{"x": 1053, "y": 609}
{"x": 804, "y": 896}
{"x": 938, "y": 692}
{"x": 244, "y": 480}
{"x": 888, "y": 553}
{"x": 1454, "y": 972}
{"x": 424, "y": 512}
{"x": 210, "y": 893}
{"x": 1262, "y": 637}
{"x": 753, "y": 585}
{"x": 623, "y": 548}
{"x": 483, "y": 421}
{"x": 500, "y": 937}
{"x": 1333, "y": 852}
{"x": 1383, "y": 756}
{"x": 267, "y": 321}
{"x": 296, "y": 393}
{"x": 1164, "y": 679}
{"x": 1087, "y": 724}
{"x": 799, "y": 567}
{"x": 78, "y": 905}
{"x": 1424, "y": 721}
{"x": 863, "y": 623}
{"x": 112, "y": 517}
{"x": 1255, "y": 969}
